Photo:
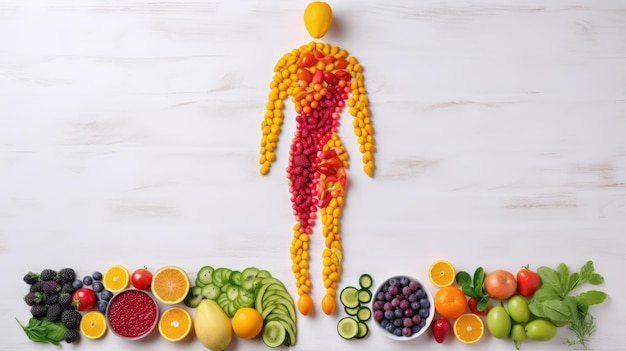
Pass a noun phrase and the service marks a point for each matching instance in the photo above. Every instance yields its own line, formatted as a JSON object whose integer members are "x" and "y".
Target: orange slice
{"x": 441, "y": 273}
{"x": 93, "y": 325}
{"x": 116, "y": 278}
{"x": 175, "y": 324}
{"x": 468, "y": 328}
{"x": 170, "y": 284}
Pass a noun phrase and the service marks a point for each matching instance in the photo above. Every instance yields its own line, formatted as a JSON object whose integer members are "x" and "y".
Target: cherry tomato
{"x": 527, "y": 282}
{"x": 343, "y": 75}
{"x": 330, "y": 78}
{"x": 341, "y": 63}
{"x": 471, "y": 303}
{"x": 141, "y": 279}
{"x": 307, "y": 60}
{"x": 324, "y": 58}
{"x": 84, "y": 299}
{"x": 318, "y": 77}
{"x": 304, "y": 74}
{"x": 326, "y": 170}
{"x": 334, "y": 162}
{"x": 328, "y": 304}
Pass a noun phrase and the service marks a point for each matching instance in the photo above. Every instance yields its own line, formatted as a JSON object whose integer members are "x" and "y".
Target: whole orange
{"x": 247, "y": 323}
{"x": 450, "y": 302}
{"x": 500, "y": 284}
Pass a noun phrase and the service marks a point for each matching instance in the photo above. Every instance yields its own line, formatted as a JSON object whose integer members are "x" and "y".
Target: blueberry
{"x": 393, "y": 282}
{"x": 422, "y": 323}
{"x": 383, "y": 323}
{"x": 420, "y": 293}
{"x": 404, "y": 281}
{"x": 77, "y": 284}
{"x": 398, "y": 312}
{"x": 96, "y": 276}
{"x": 390, "y": 327}
{"x": 416, "y": 328}
{"x": 97, "y": 286}
{"x": 389, "y": 315}
{"x": 424, "y": 302}
{"x": 415, "y": 305}
{"x": 412, "y": 298}
{"x": 106, "y": 295}
{"x": 87, "y": 280}
{"x": 102, "y": 306}
{"x": 397, "y": 332}
{"x": 398, "y": 322}
{"x": 423, "y": 312}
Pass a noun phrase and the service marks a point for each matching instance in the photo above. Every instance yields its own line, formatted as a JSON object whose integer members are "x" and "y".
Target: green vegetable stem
{"x": 42, "y": 330}
{"x": 555, "y": 300}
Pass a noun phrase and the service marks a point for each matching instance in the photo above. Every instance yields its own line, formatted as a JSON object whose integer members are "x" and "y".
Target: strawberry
{"x": 441, "y": 328}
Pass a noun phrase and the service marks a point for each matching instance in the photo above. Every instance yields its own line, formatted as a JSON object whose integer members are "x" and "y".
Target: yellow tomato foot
{"x": 305, "y": 304}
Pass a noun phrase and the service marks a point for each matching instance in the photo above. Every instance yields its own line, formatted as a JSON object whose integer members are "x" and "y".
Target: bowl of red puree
{"x": 132, "y": 314}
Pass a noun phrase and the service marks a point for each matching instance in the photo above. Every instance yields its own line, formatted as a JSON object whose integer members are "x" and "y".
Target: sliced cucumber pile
{"x": 355, "y": 302}
{"x": 231, "y": 289}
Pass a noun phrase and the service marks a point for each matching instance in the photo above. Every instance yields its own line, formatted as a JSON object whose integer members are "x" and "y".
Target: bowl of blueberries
{"x": 403, "y": 307}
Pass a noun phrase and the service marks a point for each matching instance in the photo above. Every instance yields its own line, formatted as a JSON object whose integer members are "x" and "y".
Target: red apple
{"x": 500, "y": 284}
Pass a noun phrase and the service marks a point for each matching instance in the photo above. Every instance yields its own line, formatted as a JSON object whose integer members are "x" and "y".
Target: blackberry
{"x": 51, "y": 298}
{"x": 47, "y": 274}
{"x": 50, "y": 286}
{"x": 32, "y": 298}
{"x": 67, "y": 275}
{"x": 70, "y": 336}
{"x": 68, "y": 287}
{"x": 31, "y": 278}
{"x": 71, "y": 319}
{"x": 54, "y": 312}
{"x": 38, "y": 310}
{"x": 65, "y": 300}
{"x": 37, "y": 287}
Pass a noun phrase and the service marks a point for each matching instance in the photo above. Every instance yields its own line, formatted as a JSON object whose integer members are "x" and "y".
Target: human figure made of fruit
{"x": 321, "y": 80}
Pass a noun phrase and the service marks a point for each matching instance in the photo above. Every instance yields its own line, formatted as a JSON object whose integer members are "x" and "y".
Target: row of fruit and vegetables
{"x": 524, "y": 307}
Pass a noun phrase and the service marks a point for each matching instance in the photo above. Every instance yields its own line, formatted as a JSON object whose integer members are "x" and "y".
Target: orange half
{"x": 468, "y": 328}
{"x": 441, "y": 273}
{"x": 175, "y": 324}
{"x": 170, "y": 284}
{"x": 93, "y": 325}
{"x": 116, "y": 278}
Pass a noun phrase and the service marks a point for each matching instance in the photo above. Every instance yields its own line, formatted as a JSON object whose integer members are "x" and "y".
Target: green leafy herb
{"x": 474, "y": 287}
{"x": 556, "y": 301}
{"x": 42, "y": 330}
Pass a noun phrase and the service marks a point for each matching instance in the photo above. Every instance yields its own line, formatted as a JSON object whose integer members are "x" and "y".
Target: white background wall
{"x": 129, "y": 134}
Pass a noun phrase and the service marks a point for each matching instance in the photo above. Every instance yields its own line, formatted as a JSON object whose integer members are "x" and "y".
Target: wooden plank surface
{"x": 129, "y": 134}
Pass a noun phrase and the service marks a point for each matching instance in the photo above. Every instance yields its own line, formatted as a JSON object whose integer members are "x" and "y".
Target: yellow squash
{"x": 317, "y": 18}
{"x": 212, "y": 325}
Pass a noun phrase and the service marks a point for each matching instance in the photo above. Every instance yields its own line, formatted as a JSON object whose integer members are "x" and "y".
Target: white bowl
{"x": 424, "y": 322}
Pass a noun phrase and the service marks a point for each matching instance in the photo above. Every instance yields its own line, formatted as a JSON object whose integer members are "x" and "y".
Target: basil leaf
{"x": 591, "y": 297}
{"x": 42, "y": 330}
{"x": 479, "y": 279}
{"x": 596, "y": 279}
{"x": 469, "y": 291}
{"x": 586, "y": 271}
{"x": 463, "y": 278}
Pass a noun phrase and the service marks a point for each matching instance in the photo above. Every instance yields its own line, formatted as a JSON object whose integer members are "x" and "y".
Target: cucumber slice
{"x": 194, "y": 297}
{"x": 249, "y": 273}
{"x": 232, "y": 292}
{"x": 349, "y": 297}
{"x": 364, "y": 314}
{"x": 263, "y": 274}
{"x": 245, "y": 298}
{"x": 348, "y": 328}
{"x": 274, "y": 333}
{"x": 364, "y": 295}
{"x": 366, "y": 281}
{"x": 205, "y": 275}
{"x": 220, "y": 276}
{"x": 235, "y": 278}
{"x": 211, "y": 291}
{"x": 363, "y": 330}
{"x": 351, "y": 311}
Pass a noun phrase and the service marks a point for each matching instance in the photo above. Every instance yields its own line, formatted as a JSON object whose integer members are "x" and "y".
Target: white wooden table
{"x": 129, "y": 134}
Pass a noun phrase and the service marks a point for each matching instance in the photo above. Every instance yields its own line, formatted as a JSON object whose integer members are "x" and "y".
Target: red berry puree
{"x": 132, "y": 314}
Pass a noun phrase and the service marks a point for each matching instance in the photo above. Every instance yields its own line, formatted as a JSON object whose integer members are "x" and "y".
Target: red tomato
{"x": 307, "y": 60}
{"x": 341, "y": 63}
{"x": 141, "y": 279}
{"x": 527, "y": 282}
{"x": 471, "y": 303}
{"x": 304, "y": 74}
{"x": 84, "y": 299}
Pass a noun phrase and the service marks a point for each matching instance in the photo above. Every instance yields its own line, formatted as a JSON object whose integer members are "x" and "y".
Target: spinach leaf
{"x": 591, "y": 297}
{"x": 42, "y": 330}
{"x": 463, "y": 278}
